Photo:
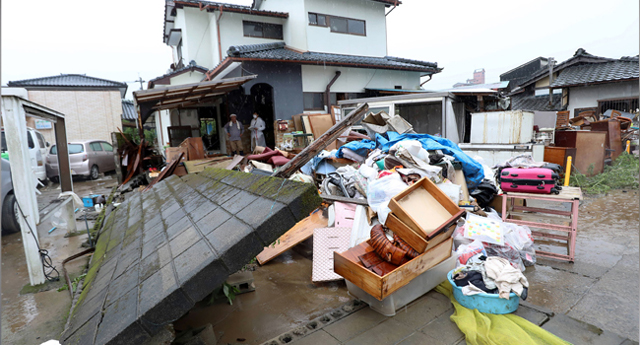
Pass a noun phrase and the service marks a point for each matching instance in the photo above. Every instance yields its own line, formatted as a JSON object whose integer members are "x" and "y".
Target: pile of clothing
{"x": 490, "y": 275}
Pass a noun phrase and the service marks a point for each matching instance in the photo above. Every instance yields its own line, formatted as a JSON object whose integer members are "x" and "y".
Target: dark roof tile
{"x": 129, "y": 110}
{"x": 67, "y": 80}
{"x": 623, "y": 69}
{"x": 278, "y": 51}
{"x": 540, "y": 103}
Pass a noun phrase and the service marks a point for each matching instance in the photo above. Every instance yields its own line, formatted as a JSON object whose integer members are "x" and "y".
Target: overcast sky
{"x": 121, "y": 40}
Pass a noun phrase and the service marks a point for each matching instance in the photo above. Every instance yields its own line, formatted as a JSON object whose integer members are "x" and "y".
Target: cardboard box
{"x": 424, "y": 208}
{"x": 349, "y": 266}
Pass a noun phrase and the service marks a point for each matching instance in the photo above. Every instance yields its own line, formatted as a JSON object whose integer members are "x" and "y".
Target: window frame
{"x": 326, "y": 21}
{"x": 328, "y": 18}
{"x": 304, "y": 106}
{"x": 262, "y": 27}
{"x": 41, "y": 140}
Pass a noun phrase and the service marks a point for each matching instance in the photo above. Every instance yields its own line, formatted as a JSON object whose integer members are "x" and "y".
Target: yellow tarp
{"x": 490, "y": 329}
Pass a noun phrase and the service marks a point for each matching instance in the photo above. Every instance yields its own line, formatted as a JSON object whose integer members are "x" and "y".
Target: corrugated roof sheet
{"x": 623, "y": 69}
{"x": 129, "y": 110}
{"x": 68, "y": 80}
{"x": 278, "y": 51}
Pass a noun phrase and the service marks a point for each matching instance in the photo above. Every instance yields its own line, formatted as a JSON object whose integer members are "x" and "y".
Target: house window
{"x": 317, "y": 19}
{"x": 545, "y": 92}
{"x": 338, "y": 24}
{"x": 263, "y": 30}
{"x": 313, "y": 100}
{"x": 628, "y": 105}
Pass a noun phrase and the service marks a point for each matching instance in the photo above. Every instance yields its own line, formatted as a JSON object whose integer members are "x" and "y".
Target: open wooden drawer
{"x": 412, "y": 238}
{"x": 349, "y": 266}
{"x": 424, "y": 208}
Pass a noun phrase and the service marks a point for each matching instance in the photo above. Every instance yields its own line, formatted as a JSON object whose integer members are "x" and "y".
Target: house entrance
{"x": 262, "y": 95}
{"x": 209, "y": 130}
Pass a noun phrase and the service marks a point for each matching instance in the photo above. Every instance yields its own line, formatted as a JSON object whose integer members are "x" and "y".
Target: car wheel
{"x": 55, "y": 179}
{"x": 95, "y": 173}
{"x": 10, "y": 215}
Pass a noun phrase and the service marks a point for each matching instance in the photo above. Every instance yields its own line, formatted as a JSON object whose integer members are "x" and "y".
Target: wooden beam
{"x": 321, "y": 142}
{"x": 334, "y": 198}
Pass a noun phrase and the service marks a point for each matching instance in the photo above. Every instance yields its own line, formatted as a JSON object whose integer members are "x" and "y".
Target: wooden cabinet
{"x": 558, "y": 155}
{"x": 590, "y": 149}
{"x": 612, "y": 141}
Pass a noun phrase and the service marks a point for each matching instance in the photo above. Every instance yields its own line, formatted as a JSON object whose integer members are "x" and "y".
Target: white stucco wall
{"x": 321, "y": 39}
{"x": 197, "y": 40}
{"x": 232, "y": 33}
{"x": 316, "y": 78}
{"x": 295, "y": 34}
{"x": 187, "y": 78}
{"x": 588, "y": 96}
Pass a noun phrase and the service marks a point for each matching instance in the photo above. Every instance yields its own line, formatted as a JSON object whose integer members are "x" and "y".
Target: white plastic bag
{"x": 467, "y": 251}
{"x": 381, "y": 191}
{"x": 458, "y": 235}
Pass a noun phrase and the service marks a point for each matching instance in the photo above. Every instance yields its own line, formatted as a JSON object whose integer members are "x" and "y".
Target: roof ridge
{"x": 248, "y": 48}
{"x": 62, "y": 75}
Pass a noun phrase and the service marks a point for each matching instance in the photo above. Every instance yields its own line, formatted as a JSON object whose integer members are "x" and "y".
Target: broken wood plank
{"x": 334, "y": 198}
{"x": 320, "y": 143}
{"x": 300, "y": 232}
{"x": 235, "y": 161}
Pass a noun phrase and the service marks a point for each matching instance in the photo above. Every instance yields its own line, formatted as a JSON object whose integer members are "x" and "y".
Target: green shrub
{"x": 623, "y": 173}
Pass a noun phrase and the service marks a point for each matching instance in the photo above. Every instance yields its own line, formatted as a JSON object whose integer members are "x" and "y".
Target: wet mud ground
{"x": 33, "y": 318}
{"x": 600, "y": 288}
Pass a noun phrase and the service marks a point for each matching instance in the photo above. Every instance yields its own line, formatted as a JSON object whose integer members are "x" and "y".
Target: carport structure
{"x": 15, "y": 109}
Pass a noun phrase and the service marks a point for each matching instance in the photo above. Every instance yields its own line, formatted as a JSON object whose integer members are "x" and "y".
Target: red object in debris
{"x": 270, "y": 156}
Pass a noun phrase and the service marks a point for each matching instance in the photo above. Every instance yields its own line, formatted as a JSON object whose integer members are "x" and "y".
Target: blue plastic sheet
{"x": 359, "y": 147}
{"x": 473, "y": 171}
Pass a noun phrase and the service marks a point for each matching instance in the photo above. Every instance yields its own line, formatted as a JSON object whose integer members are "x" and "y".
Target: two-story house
{"x": 307, "y": 55}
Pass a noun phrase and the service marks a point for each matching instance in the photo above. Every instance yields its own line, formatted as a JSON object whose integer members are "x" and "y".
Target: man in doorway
{"x": 256, "y": 127}
{"x": 234, "y": 129}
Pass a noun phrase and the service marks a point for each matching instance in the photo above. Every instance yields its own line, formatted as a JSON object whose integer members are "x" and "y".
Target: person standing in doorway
{"x": 234, "y": 129}
{"x": 256, "y": 127}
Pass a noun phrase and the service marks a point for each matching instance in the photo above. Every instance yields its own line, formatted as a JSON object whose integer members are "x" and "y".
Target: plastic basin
{"x": 485, "y": 303}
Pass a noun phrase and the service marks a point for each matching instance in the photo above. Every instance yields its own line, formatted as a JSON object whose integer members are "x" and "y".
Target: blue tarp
{"x": 473, "y": 170}
{"x": 359, "y": 147}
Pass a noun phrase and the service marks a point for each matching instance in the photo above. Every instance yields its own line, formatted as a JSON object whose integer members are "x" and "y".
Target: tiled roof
{"x": 231, "y": 7}
{"x": 540, "y": 103}
{"x": 128, "y": 110}
{"x": 191, "y": 66}
{"x": 68, "y": 80}
{"x": 278, "y": 51}
{"x": 624, "y": 69}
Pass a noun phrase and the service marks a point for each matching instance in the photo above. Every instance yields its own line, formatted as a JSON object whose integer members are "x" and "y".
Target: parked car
{"x": 87, "y": 158}
{"x": 38, "y": 148}
{"x": 9, "y": 208}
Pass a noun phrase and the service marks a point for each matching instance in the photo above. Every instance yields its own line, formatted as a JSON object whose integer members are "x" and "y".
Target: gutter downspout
{"x": 218, "y": 30}
{"x": 327, "y": 91}
{"x": 426, "y": 81}
{"x": 394, "y": 7}
{"x": 551, "y": 62}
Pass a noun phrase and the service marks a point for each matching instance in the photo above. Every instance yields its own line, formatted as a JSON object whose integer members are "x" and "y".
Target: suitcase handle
{"x": 541, "y": 176}
{"x": 542, "y": 185}
{"x": 514, "y": 175}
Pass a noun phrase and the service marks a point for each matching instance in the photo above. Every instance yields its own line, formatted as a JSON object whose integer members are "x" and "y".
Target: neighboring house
{"x": 582, "y": 82}
{"x": 478, "y": 78}
{"x": 307, "y": 55}
{"x": 92, "y": 106}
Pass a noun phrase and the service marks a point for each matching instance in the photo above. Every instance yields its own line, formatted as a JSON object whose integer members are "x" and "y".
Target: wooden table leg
{"x": 574, "y": 229}
{"x": 504, "y": 207}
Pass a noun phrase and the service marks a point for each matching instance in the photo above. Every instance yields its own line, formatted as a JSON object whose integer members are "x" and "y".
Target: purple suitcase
{"x": 529, "y": 180}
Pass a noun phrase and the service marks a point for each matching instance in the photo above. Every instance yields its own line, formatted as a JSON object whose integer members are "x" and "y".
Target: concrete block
{"x": 184, "y": 240}
{"x": 154, "y": 261}
{"x": 212, "y": 220}
{"x": 161, "y": 301}
{"x": 178, "y": 227}
{"x": 239, "y": 201}
{"x": 532, "y": 315}
{"x": 119, "y": 324}
{"x": 236, "y": 242}
{"x": 419, "y": 338}
{"x": 243, "y": 281}
{"x": 85, "y": 334}
{"x": 319, "y": 337}
{"x": 270, "y": 218}
{"x": 169, "y": 209}
{"x": 223, "y": 195}
{"x": 241, "y": 180}
{"x": 84, "y": 312}
{"x": 424, "y": 310}
{"x": 174, "y": 217}
{"x": 122, "y": 284}
{"x": 126, "y": 260}
{"x": 201, "y": 209}
{"x": 200, "y": 271}
{"x": 302, "y": 198}
{"x": 153, "y": 244}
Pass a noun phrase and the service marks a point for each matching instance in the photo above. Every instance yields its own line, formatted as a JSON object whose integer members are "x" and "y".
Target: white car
{"x": 38, "y": 148}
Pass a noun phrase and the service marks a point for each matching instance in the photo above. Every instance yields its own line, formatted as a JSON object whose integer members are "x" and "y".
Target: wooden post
{"x": 321, "y": 142}
{"x": 24, "y": 187}
{"x": 64, "y": 167}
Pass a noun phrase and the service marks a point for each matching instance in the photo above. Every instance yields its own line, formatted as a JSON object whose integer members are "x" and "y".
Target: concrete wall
{"x": 316, "y": 78}
{"x": 197, "y": 40}
{"x": 321, "y": 39}
{"x": 286, "y": 80}
{"x": 588, "y": 96}
{"x": 88, "y": 114}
